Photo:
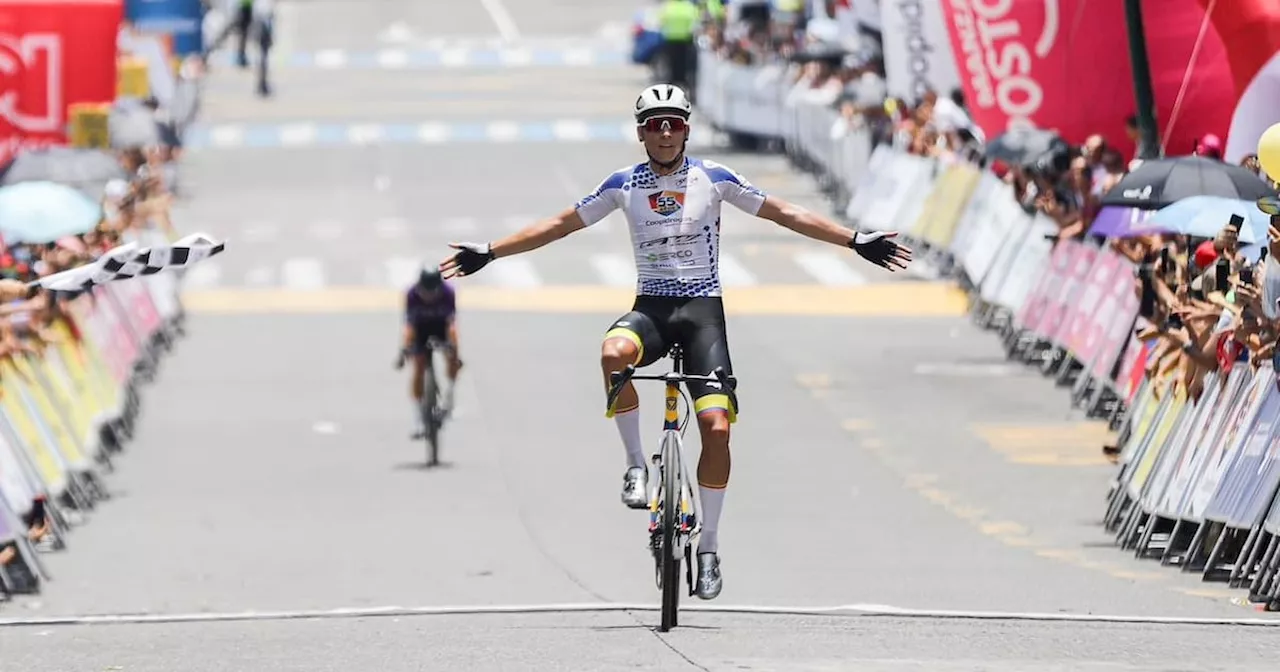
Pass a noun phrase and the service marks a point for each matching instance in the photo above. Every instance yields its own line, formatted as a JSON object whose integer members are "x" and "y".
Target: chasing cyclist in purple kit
{"x": 430, "y": 312}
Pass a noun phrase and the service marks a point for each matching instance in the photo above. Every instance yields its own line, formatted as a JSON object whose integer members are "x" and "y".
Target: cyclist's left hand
{"x": 400, "y": 357}
{"x": 879, "y": 248}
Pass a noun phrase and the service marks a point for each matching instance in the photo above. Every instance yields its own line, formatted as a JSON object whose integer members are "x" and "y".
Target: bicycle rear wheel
{"x": 672, "y": 475}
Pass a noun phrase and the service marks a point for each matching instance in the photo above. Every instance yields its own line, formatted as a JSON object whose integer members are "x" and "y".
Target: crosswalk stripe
{"x": 433, "y": 133}
{"x": 304, "y": 273}
{"x": 402, "y": 271}
{"x": 503, "y": 131}
{"x": 393, "y": 58}
{"x": 361, "y": 134}
{"x": 515, "y": 57}
{"x": 512, "y": 272}
{"x": 828, "y": 268}
{"x": 330, "y": 58}
{"x": 614, "y": 269}
{"x": 202, "y": 275}
{"x": 226, "y": 136}
{"x": 454, "y": 58}
{"x": 733, "y": 273}
{"x": 298, "y": 134}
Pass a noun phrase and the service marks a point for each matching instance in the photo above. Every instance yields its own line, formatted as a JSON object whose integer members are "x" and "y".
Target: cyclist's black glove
{"x": 400, "y": 358}
{"x": 470, "y": 258}
{"x": 879, "y": 248}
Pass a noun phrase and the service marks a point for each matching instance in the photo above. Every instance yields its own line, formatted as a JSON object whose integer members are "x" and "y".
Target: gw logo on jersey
{"x": 666, "y": 202}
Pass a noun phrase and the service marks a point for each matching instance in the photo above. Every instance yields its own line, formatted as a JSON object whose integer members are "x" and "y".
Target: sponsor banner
{"x": 53, "y": 54}
{"x": 917, "y": 50}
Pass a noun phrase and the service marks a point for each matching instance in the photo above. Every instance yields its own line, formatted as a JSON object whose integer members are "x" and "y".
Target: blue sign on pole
{"x": 182, "y": 20}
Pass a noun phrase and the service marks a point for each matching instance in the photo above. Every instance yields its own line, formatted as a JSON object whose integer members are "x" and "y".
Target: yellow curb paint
{"x": 905, "y": 299}
{"x": 814, "y": 381}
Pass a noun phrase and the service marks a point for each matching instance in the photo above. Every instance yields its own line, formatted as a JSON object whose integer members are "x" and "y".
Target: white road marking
{"x": 503, "y": 131}
{"x": 393, "y": 58}
{"x": 515, "y": 57}
{"x": 614, "y": 269}
{"x": 298, "y": 134}
{"x": 847, "y": 610}
{"x": 226, "y": 135}
{"x": 455, "y": 58}
{"x": 502, "y": 19}
{"x": 302, "y": 273}
{"x": 829, "y": 269}
{"x": 402, "y": 271}
{"x": 579, "y": 56}
{"x": 733, "y": 273}
{"x": 512, "y": 272}
{"x": 330, "y": 59}
{"x": 571, "y": 130}
{"x": 433, "y": 132}
{"x": 363, "y": 134}
{"x": 202, "y": 275}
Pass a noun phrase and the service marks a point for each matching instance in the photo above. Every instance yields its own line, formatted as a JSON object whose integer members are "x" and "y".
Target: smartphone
{"x": 1235, "y": 222}
{"x": 1246, "y": 275}
{"x": 1174, "y": 322}
{"x": 1222, "y": 275}
{"x": 1147, "y": 308}
{"x": 1166, "y": 266}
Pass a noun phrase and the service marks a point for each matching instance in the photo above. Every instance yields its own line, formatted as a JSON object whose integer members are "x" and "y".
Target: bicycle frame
{"x": 673, "y": 480}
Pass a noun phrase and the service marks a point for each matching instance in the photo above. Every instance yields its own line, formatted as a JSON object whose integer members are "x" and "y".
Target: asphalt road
{"x": 274, "y": 512}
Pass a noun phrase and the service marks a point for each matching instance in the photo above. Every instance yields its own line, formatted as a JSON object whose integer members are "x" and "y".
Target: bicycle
{"x": 432, "y": 414}
{"x": 672, "y": 528}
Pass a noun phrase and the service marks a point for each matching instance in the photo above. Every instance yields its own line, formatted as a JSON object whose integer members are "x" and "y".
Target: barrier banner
{"x": 1044, "y": 298}
{"x": 57, "y": 53}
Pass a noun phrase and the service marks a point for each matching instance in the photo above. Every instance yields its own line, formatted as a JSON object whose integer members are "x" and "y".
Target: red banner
{"x": 53, "y": 54}
{"x": 1064, "y": 65}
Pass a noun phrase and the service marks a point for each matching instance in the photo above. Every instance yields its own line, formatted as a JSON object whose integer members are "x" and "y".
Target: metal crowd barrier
{"x": 66, "y": 411}
{"x": 1198, "y": 481}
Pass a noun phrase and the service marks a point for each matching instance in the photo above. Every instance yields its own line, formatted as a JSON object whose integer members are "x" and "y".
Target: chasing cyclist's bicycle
{"x": 675, "y": 509}
{"x": 432, "y": 413}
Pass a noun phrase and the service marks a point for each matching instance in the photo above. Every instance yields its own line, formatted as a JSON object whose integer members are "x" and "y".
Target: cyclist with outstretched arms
{"x": 672, "y": 205}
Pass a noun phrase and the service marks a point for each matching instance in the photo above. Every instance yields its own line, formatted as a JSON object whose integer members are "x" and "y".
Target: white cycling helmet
{"x": 662, "y": 98}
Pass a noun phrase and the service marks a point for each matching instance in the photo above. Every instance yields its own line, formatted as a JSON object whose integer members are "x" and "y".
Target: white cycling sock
{"x": 629, "y": 428}
{"x": 712, "y": 503}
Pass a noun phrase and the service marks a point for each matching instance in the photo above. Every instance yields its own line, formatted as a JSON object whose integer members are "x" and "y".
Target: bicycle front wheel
{"x": 672, "y": 476}
{"x": 430, "y": 419}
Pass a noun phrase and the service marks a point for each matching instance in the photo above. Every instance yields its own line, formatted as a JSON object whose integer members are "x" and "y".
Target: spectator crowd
{"x": 1205, "y": 304}
{"x": 139, "y": 201}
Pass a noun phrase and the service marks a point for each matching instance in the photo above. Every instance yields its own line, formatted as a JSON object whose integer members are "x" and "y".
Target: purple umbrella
{"x": 1118, "y": 221}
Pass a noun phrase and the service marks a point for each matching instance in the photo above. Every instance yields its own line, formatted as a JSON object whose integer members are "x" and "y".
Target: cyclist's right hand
{"x": 400, "y": 357}
{"x": 469, "y": 258}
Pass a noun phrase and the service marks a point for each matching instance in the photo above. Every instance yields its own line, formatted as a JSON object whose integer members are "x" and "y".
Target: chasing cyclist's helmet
{"x": 663, "y": 100}
{"x": 429, "y": 279}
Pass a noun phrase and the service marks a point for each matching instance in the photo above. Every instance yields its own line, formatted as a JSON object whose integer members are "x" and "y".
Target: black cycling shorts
{"x": 425, "y": 330}
{"x": 697, "y": 324}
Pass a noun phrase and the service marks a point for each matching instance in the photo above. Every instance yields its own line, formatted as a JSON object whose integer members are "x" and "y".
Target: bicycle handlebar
{"x": 619, "y": 378}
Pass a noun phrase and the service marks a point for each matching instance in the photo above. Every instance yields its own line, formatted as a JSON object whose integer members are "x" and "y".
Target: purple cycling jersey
{"x": 438, "y": 308}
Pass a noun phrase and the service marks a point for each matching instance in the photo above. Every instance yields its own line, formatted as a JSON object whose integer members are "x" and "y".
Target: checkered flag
{"x": 130, "y": 261}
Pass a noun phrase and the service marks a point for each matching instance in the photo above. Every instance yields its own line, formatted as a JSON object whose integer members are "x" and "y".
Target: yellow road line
{"x": 886, "y": 300}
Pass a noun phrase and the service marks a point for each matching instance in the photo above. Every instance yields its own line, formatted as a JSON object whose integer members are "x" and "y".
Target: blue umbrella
{"x": 42, "y": 212}
{"x": 1205, "y": 216}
